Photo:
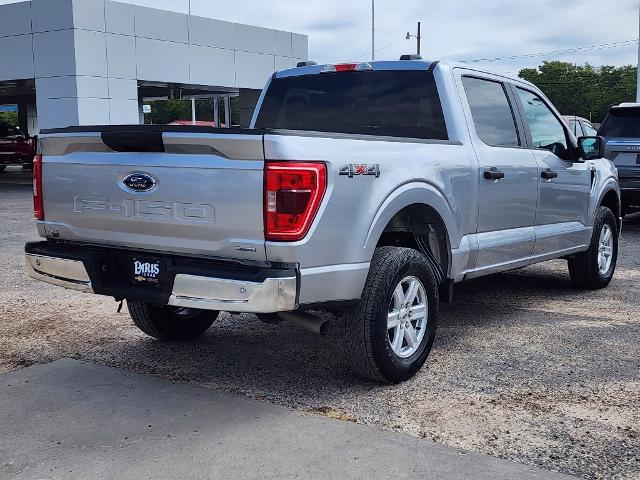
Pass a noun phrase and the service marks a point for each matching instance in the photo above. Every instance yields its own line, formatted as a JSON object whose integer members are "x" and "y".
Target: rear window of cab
{"x": 382, "y": 103}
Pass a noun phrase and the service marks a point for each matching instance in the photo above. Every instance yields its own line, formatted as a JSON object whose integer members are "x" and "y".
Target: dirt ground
{"x": 524, "y": 366}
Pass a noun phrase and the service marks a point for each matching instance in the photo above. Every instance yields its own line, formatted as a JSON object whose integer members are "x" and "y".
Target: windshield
{"x": 385, "y": 103}
{"x": 621, "y": 123}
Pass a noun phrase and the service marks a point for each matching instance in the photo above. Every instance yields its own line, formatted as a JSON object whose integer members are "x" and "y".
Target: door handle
{"x": 493, "y": 174}
{"x": 549, "y": 174}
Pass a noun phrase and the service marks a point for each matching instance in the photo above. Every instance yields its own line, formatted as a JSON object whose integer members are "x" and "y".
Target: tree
{"x": 584, "y": 90}
{"x": 9, "y": 118}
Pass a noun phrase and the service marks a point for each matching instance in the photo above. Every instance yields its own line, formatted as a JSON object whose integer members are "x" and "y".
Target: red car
{"x": 16, "y": 147}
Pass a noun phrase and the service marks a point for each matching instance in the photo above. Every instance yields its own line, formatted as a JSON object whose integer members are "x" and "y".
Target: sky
{"x": 340, "y": 30}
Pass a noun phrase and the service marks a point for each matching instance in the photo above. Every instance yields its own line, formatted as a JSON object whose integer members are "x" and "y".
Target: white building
{"x": 85, "y": 62}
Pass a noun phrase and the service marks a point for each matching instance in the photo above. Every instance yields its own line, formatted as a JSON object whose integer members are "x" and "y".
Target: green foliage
{"x": 9, "y": 118}
{"x": 584, "y": 90}
{"x": 167, "y": 111}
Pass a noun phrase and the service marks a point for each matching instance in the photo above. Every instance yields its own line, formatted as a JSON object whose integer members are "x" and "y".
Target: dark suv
{"x": 16, "y": 147}
{"x": 621, "y": 129}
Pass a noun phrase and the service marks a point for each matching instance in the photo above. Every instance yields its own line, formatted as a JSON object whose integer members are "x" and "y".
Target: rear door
{"x": 508, "y": 176}
{"x": 175, "y": 191}
{"x": 564, "y": 185}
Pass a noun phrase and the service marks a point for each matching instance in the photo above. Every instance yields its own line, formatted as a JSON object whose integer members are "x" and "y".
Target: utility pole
{"x": 373, "y": 30}
{"x": 638, "y": 84}
{"x": 417, "y": 36}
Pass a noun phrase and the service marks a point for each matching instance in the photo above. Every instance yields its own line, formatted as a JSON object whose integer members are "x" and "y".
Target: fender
{"x": 413, "y": 192}
{"x": 610, "y": 184}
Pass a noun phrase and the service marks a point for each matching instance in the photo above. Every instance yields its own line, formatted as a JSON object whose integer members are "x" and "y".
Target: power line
{"x": 600, "y": 46}
{"x": 379, "y": 49}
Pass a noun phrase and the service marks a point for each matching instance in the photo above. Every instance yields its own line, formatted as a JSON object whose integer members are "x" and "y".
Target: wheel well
{"x": 612, "y": 202}
{"x": 420, "y": 227}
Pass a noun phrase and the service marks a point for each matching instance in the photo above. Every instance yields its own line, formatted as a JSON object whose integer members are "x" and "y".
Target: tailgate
{"x": 625, "y": 153}
{"x": 181, "y": 190}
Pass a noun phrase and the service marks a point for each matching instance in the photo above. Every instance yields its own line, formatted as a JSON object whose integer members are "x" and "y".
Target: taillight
{"x": 293, "y": 193}
{"x": 38, "y": 205}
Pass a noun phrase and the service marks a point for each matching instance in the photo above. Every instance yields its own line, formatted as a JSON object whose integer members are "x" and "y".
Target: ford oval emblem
{"x": 139, "y": 182}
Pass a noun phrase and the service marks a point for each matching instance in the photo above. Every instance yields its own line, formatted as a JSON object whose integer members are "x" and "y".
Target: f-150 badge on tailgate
{"x": 353, "y": 170}
{"x": 146, "y": 209}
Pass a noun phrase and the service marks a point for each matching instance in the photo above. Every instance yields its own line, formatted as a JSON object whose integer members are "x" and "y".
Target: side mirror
{"x": 591, "y": 148}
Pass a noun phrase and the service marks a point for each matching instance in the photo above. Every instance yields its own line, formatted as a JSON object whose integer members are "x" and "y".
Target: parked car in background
{"x": 621, "y": 129}
{"x": 16, "y": 147}
{"x": 580, "y": 126}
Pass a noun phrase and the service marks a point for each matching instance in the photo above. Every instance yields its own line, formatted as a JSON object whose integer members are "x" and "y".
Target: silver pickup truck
{"x": 366, "y": 189}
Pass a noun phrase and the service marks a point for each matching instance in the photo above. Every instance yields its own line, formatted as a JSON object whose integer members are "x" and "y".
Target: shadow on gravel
{"x": 241, "y": 354}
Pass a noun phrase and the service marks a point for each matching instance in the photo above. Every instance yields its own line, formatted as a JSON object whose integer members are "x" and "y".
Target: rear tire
{"x": 384, "y": 339}
{"x": 170, "y": 323}
{"x": 594, "y": 269}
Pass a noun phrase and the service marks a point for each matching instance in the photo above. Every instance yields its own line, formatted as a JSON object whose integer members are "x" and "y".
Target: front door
{"x": 565, "y": 185}
{"x": 508, "y": 172}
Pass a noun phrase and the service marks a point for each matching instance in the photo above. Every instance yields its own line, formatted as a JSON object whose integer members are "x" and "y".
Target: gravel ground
{"x": 524, "y": 367}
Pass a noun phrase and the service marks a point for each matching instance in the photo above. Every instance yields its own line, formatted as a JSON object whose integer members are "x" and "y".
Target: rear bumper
{"x": 269, "y": 296}
{"x": 629, "y": 181}
{"x": 630, "y": 193}
{"x": 59, "y": 271}
{"x": 194, "y": 283}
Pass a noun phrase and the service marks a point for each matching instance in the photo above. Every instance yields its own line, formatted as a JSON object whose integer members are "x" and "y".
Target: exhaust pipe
{"x": 308, "y": 322}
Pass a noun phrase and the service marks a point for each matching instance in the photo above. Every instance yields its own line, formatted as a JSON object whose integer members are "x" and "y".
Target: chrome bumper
{"x": 206, "y": 293}
{"x": 59, "y": 271}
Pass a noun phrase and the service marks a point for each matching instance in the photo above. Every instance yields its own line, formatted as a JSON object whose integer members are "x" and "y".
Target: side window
{"x": 491, "y": 112}
{"x": 547, "y": 132}
{"x": 589, "y": 131}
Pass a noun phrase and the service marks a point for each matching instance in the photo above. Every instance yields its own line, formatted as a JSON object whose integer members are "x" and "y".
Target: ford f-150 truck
{"x": 366, "y": 189}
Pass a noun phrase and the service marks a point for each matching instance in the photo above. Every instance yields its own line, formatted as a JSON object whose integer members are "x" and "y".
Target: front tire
{"x": 594, "y": 269}
{"x": 389, "y": 334}
{"x": 170, "y": 323}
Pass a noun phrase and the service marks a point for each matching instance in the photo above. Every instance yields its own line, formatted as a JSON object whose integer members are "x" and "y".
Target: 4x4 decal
{"x": 352, "y": 170}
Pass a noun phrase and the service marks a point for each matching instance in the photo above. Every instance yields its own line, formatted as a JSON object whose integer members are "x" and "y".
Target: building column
{"x": 76, "y": 84}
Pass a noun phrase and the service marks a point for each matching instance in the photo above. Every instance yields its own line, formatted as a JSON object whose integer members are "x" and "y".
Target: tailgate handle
{"x": 131, "y": 142}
